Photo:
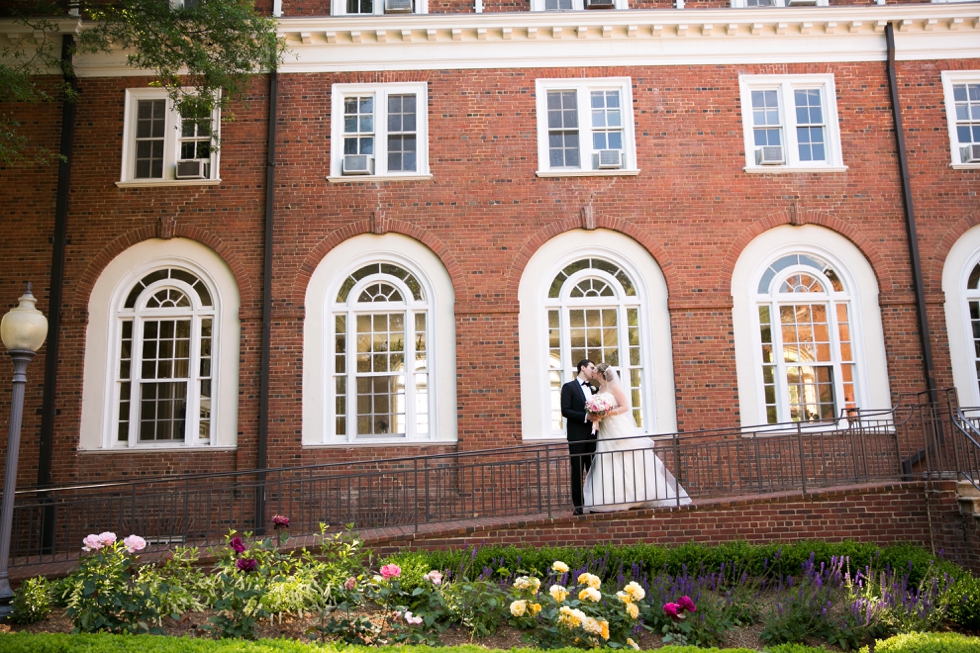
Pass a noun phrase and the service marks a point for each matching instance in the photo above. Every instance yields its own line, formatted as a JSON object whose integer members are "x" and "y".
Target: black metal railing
{"x": 915, "y": 440}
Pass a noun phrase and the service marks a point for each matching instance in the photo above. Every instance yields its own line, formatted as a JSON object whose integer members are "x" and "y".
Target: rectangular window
{"x": 749, "y": 4}
{"x": 383, "y": 131}
{"x": 162, "y": 147}
{"x": 577, "y": 5}
{"x": 585, "y": 127}
{"x": 164, "y": 375}
{"x": 381, "y": 409}
{"x": 377, "y": 7}
{"x": 790, "y": 123}
{"x": 962, "y": 91}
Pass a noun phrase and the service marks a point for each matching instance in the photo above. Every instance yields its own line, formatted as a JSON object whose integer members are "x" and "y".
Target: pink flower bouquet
{"x": 598, "y": 405}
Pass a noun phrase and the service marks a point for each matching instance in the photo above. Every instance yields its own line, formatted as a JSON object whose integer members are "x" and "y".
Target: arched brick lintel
{"x": 619, "y": 225}
{"x": 85, "y": 284}
{"x": 798, "y": 216}
{"x": 935, "y": 263}
{"x": 312, "y": 260}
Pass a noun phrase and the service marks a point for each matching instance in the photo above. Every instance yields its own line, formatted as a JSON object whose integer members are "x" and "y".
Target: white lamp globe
{"x": 24, "y": 328}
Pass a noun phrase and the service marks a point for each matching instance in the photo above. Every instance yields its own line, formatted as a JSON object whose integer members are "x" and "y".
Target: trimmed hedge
{"x": 102, "y": 643}
{"x": 609, "y": 560}
{"x": 927, "y": 643}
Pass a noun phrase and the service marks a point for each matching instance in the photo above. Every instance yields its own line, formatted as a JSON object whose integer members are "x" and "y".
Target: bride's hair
{"x": 602, "y": 368}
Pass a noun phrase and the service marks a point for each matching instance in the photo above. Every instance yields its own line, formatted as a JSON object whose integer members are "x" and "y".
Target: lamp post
{"x": 23, "y": 331}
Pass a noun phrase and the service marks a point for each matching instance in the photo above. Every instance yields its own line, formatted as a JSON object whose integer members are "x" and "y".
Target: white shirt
{"x": 586, "y": 389}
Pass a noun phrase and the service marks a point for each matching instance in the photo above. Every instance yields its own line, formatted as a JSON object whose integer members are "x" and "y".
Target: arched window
{"x": 594, "y": 312}
{"x": 379, "y": 346}
{"x": 972, "y": 297}
{"x": 807, "y": 328}
{"x": 380, "y": 361}
{"x": 961, "y": 287}
{"x": 161, "y": 350}
{"x": 164, "y": 384}
{"x": 805, "y": 333}
{"x": 594, "y": 294}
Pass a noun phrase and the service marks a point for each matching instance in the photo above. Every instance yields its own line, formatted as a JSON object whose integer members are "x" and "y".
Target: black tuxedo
{"x": 581, "y": 439}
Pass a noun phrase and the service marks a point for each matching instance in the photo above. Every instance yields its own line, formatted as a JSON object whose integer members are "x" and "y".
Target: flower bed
{"x": 594, "y": 599}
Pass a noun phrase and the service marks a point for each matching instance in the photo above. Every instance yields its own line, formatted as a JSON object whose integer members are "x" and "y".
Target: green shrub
{"x": 795, "y": 648}
{"x": 32, "y": 601}
{"x": 964, "y": 603}
{"x": 927, "y": 643}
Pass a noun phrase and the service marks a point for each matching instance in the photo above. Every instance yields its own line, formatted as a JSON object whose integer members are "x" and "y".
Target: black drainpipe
{"x": 57, "y": 286}
{"x": 270, "y": 203}
{"x": 920, "y": 295}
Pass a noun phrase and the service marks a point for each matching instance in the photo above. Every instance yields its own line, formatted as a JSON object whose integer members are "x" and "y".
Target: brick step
{"x": 968, "y": 496}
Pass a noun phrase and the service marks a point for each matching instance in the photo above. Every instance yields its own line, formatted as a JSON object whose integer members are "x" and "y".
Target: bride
{"x": 625, "y": 472}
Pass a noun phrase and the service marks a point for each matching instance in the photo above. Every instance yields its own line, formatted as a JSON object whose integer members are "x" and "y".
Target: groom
{"x": 578, "y": 427}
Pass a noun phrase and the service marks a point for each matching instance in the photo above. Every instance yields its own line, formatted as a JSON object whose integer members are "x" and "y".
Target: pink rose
{"x": 107, "y": 538}
{"x": 391, "y": 571}
{"x": 236, "y": 544}
{"x": 670, "y": 609}
{"x": 434, "y": 577}
{"x": 686, "y": 603}
{"x": 92, "y": 543}
{"x": 279, "y": 521}
{"x": 411, "y": 619}
{"x": 350, "y": 583}
{"x": 134, "y": 543}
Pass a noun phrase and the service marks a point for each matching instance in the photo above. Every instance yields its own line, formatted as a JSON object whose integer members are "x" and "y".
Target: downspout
{"x": 920, "y": 295}
{"x": 270, "y": 203}
{"x": 46, "y": 448}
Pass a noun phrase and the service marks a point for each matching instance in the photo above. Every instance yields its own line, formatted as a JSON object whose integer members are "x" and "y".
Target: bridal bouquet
{"x": 598, "y": 405}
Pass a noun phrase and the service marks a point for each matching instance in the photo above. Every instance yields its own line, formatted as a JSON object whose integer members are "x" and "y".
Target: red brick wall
{"x": 886, "y": 514}
{"x": 484, "y": 213}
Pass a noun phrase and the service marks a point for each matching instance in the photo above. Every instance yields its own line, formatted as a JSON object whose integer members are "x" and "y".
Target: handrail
{"x": 966, "y": 426}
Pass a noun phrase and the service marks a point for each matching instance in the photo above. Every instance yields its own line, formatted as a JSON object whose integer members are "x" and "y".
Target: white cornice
{"x": 634, "y": 37}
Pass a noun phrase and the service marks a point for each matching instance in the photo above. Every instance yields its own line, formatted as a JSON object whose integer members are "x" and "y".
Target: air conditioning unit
{"x": 769, "y": 155}
{"x": 600, "y": 4}
{"x": 192, "y": 169}
{"x": 801, "y": 3}
{"x": 398, "y": 6}
{"x": 971, "y": 153}
{"x": 358, "y": 164}
{"x": 610, "y": 159}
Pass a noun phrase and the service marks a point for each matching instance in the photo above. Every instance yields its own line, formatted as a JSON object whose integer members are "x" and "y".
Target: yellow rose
{"x": 535, "y": 609}
{"x": 558, "y": 593}
{"x": 583, "y": 578}
{"x": 560, "y": 567}
{"x": 634, "y": 590}
{"x": 633, "y": 645}
{"x": 605, "y": 629}
{"x": 624, "y": 597}
{"x": 594, "y": 581}
{"x": 633, "y": 611}
{"x": 590, "y": 594}
{"x": 518, "y": 608}
{"x": 535, "y": 585}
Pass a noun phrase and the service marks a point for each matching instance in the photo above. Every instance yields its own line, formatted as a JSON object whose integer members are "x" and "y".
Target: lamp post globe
{"x": 23, "y": 331}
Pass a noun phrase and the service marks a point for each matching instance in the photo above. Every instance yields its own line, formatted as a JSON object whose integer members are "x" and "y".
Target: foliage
{"x": 795, "y": 648}
{"x": 202, "y": 54}
{"x": 173, "y": 584}
{"x": 927, "y": 643}
{"x": 964, "y": 603}
{"x": 242, "y": 576}
{"x": 32, "y": 601}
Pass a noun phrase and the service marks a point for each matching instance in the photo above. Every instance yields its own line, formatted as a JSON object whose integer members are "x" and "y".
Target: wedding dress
{"x": 625, "y": 472}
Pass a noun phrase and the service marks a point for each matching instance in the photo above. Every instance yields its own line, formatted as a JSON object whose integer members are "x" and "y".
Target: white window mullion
{"x": 192, "y": 419}
{"x": 137, "y": 381}
{"x": 780, "y": 380}
{"x": 408, "y": 365}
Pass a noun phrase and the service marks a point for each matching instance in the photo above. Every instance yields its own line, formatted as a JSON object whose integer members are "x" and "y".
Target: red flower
{"x": 246, "y": 564}
{"x": 670, "y": 609}
{"x": 236, "y": 544}
{"x": 686, "y": 603}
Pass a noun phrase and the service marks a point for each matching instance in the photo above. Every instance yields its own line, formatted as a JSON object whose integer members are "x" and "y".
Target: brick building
{"x": 468, "y": 197}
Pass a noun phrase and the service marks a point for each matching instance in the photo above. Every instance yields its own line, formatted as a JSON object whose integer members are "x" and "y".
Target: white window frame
{"x": 100, "y": 396}
{"x": 958, "y": 264}
{"x": 381, "y": 92}
{"x": 171, "y": 146}
{"x": 339, "y": 8}
{"x": 951, "y": 78}
{"x": 741, "y": 4}
{"x": 577, "y": 5}
{"x": 319, "y": 362}
{"x": 583, "y": 88}
{"x": 658, "y": 395}
{"x": 858, "y": 277}
{"x": 785, "y": 85}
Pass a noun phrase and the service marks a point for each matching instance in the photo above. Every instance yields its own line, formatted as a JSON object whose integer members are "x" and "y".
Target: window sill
{"x": 965, "y": 166}
{"x": 782, "y": 170}
{"x": 380, "y": 443}
{"x": 166, "y": 183}
{"x": 171, "y": 448}
{"x": 356, "y": 178}
{"x": 588, "y": 173}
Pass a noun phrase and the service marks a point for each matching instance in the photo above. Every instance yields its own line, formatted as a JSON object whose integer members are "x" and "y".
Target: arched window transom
{"x": 973, "y": 305}
{"x": 594, "y": 313}
{"x": 805, "y": 326}
{"x": 381, "y": 361}
{"x": 164, "y": 385}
